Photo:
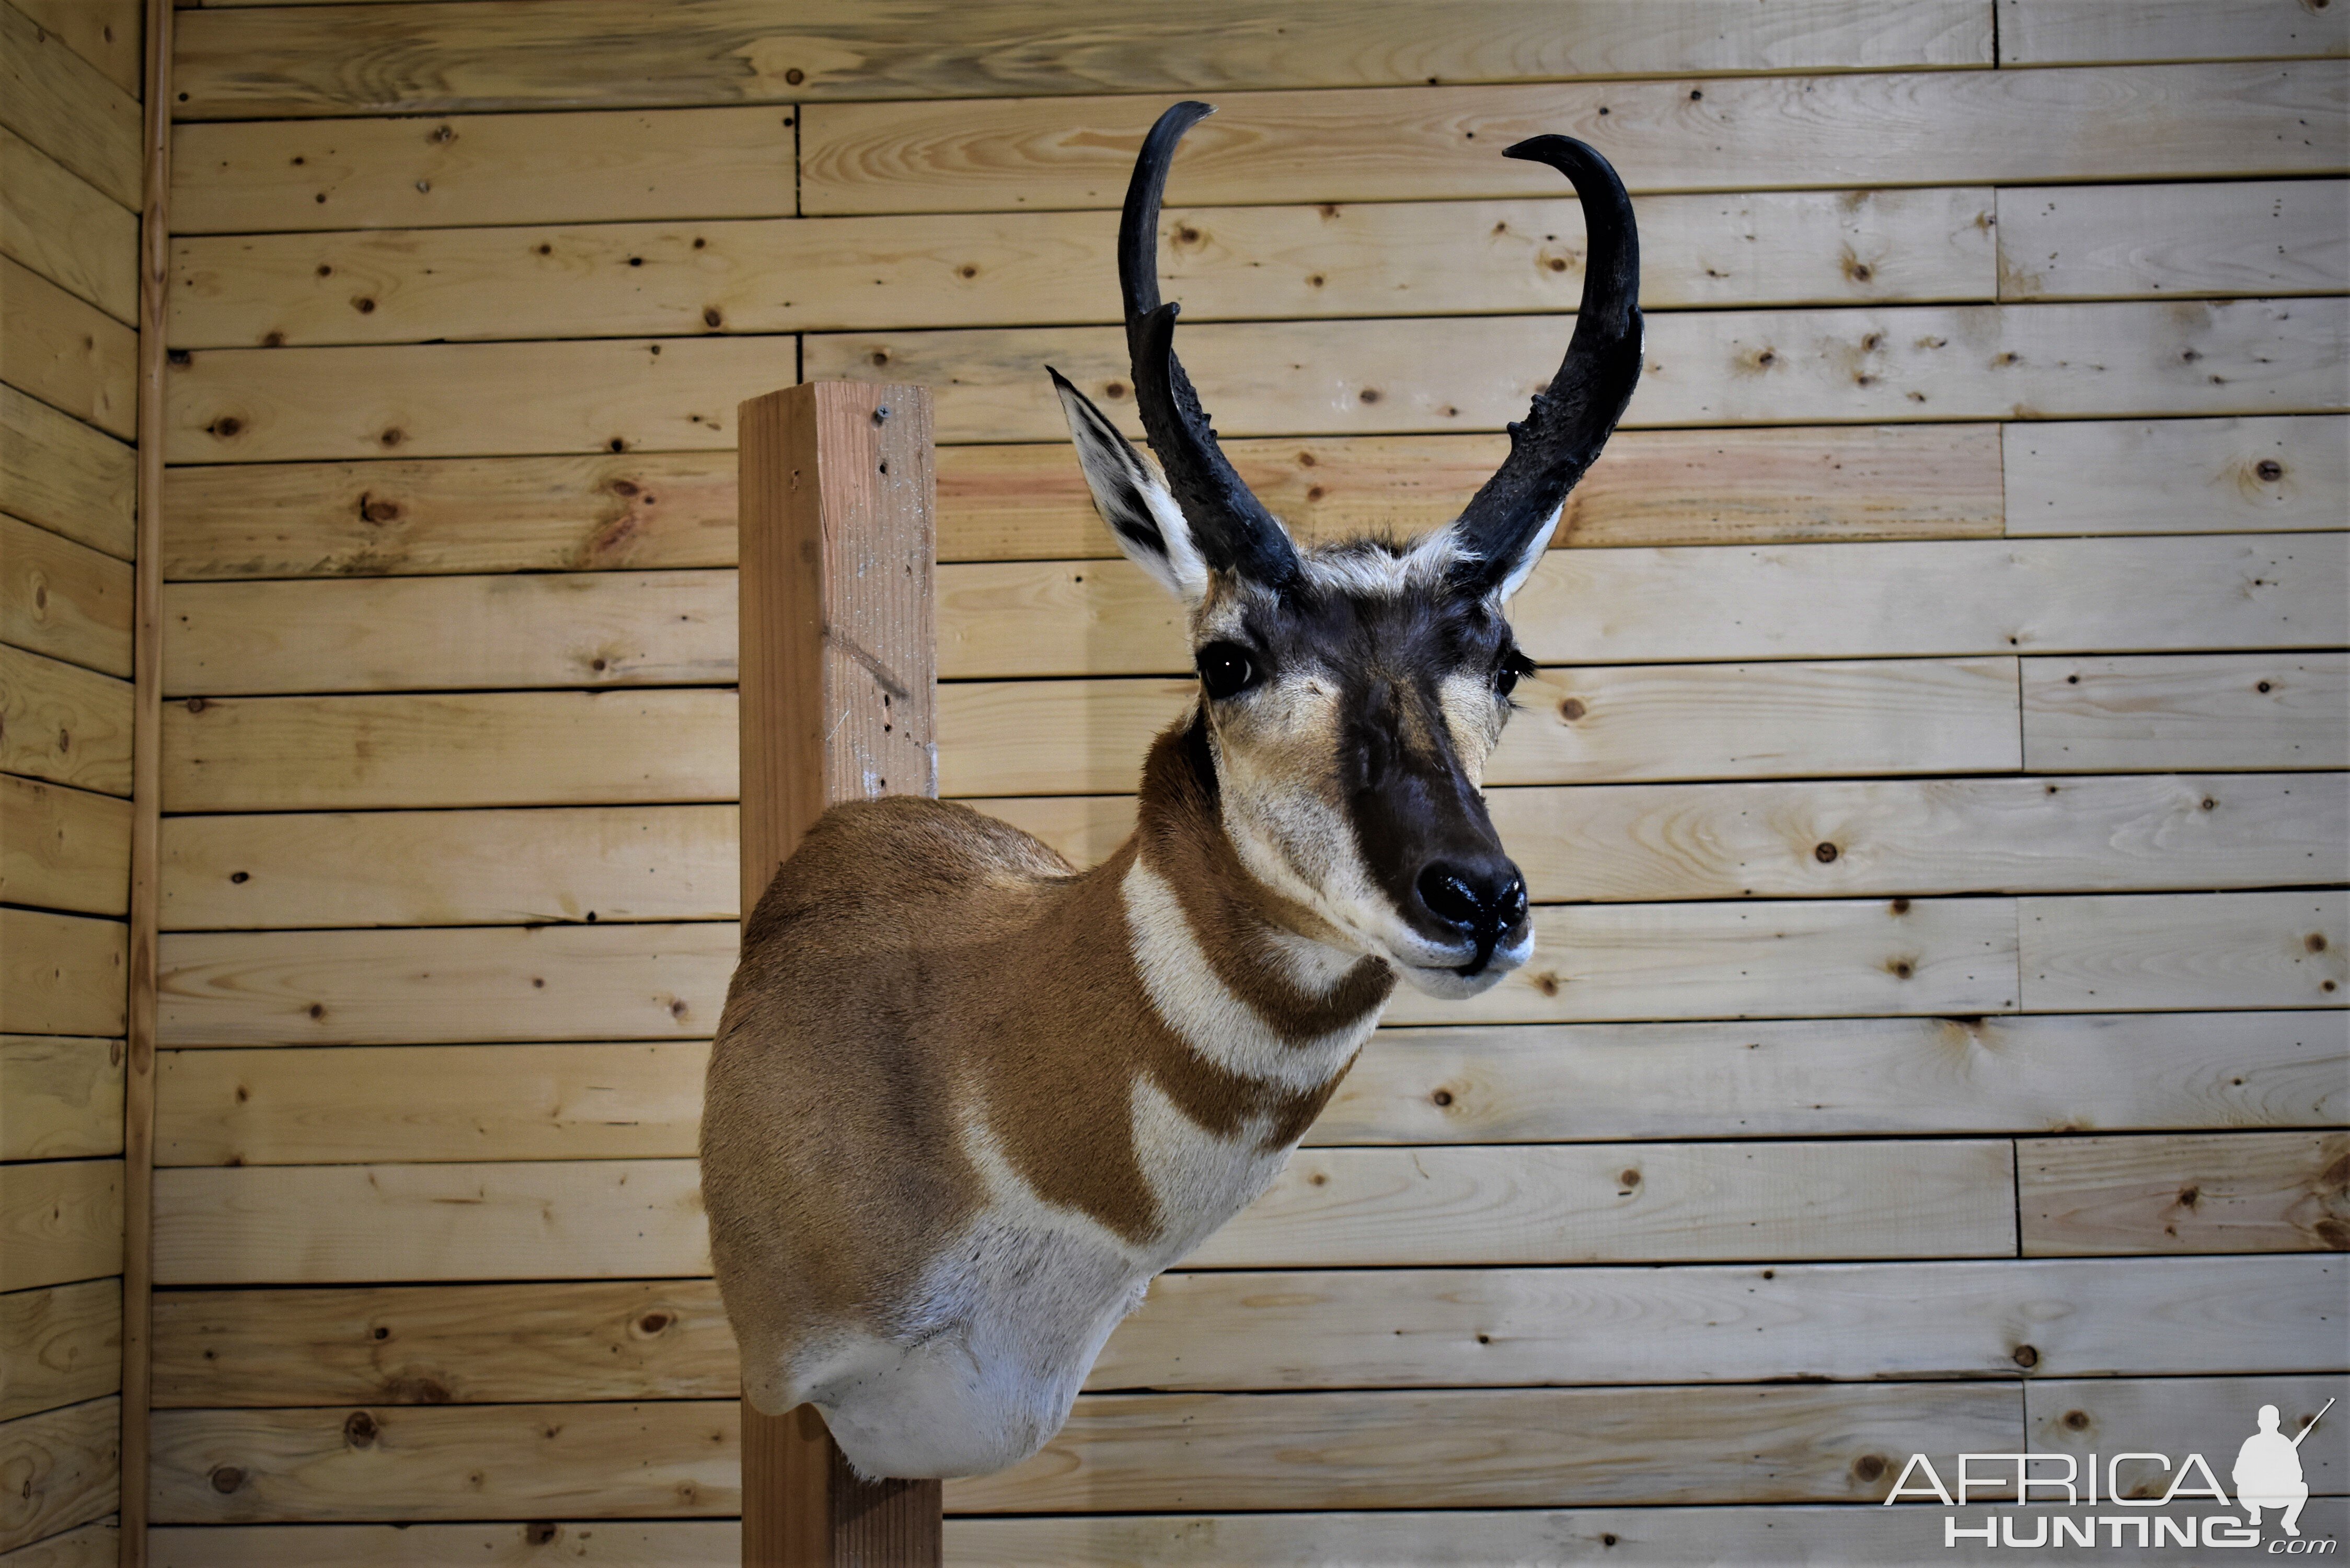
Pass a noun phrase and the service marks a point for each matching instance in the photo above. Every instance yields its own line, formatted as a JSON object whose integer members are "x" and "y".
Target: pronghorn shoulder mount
{"x": 965, "y": 1100}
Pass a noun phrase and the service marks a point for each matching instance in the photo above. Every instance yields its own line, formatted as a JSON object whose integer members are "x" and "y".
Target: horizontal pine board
{"x": 2120, "y": 242}
{"x": 788, "y": 274}
{"x": 2175, "y": 476}
{"x": 2184, "y": 950}
{"x": 416, "y": 634}
{"x": 624, "y": 167}
{"x": 272, "y": 1107}
{"x": 64, "y": 725}
{"x": 1327, "y": 1329}
{"x": 598, "y": 1543}
{"x": 2211, "y": 1415}
{"x": 64, "y": 599}
{"x": 105, "y": 33}
{"x": 62, "y": 1219}
{"x": 69, "y": 354}
{"x": 60, "y": 1096}
{"x": 1604, "y": 841}
{"x": 1459, "y": 1084}
{"x": 64, "y": 106}
{"x": 2057, "y": 32}
{"x": 2184, "y": 1192}
{"x": 59, "y": 1346}
{"x": 401, "y": 517}
{"x": 425, "y": 868}
{"x": 1809, "y": 1322}
{"x": 1602, "y": 1202}
{"x": 516, "y": 1461}
{"x": 477, "y": 749}
{"x": 1514, "y": 1448}
{"x": 66, "y": 476}
{"x": 545, "y": 982}
{"x": 61, "y": 974}
{"x": 1704, "y": 368}
{"x": 315, "y": 1224}
{"x": 1825, "y": 1077}
{"x": 462, "y": 1345}
{"x": 467, "y": 399}
{"x": 2206, "y": 711}
{"x": 1637, "y": 723}
{"x": 245, "y": 64}
{"x": 95, "y": 1545}
{"x": 1583, "y": 1203}
{"x": 64, "y": 848}
{"x": 1405, "y": 144}
{"x": 67, "y": 230}
{"x": 64, "y": 1469}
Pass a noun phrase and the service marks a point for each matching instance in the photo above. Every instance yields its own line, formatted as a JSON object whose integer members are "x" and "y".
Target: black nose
{"x": 1480, "y": 901}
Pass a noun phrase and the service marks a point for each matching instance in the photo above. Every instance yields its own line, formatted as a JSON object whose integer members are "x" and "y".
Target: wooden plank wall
{"x": 71, "y": 80}
{"x": 1936, "y": 783}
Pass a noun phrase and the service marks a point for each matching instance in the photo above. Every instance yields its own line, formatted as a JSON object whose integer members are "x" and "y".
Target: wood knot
{"x": 1901, "y": 968}
{"x": 382, "y": 1331}
{"x": 359, "y": 1429}
{"x": 1824, "y": 853}
{"x": 795, "y": 76}
{"x": 1868, "y": 1467}
{"x": 2314, "y": 942}
{"x": 1368, "y": 394}
{"x": 712, "y": 317}
{"x": 364, "y": 306}
{"x": 1900, "y": 905}
{"x": 539, "y": 1532}
{"x": 2075, "y": 1420}
{"x": 2026, "y": 1356}
{"x": 392, "y": 437}
{"x": 653, "y": 1322}
{"x": 1442, "y": 1097}
{"x": 1114, "y": 388}
{"x": 226, "y": 1478}
{"x": 1572, "y": 708}
{"x": 2269, "y": 470}
{"x": 226, "y": 426}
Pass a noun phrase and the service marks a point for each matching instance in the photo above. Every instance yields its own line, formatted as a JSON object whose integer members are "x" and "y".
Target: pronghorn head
{"x": 1351, "y": 693}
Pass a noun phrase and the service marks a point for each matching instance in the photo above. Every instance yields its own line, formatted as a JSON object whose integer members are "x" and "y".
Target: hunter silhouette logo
{"x": 2267, "y": 1470}
{"x": 2120, "y": 1492}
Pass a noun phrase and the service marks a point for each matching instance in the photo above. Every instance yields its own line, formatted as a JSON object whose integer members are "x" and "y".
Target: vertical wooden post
{"x": 839, "y": 672}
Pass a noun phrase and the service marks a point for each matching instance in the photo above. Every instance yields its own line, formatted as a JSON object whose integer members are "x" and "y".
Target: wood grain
{"x": 1816, "y": 1078}
{"x": 2051, "y": 32}
{"x": 2211, "y": 1416}
{"x": 542, "y": 748}
{"x": 317, "y": 1224}
{"x": 64, "y": 974}
{"x": 454, "y": 1344}
{"x": 1704, "y": 368}
{"x": 518, "y": 1461}
{"x": 64, "y": 599}
{"x": 1513, "y": 1447}
{"x": 69, "y": 354}
{"x": 63, "y": 723}
{"x": 787, "y": 274}
{"x": 2186, "y": 1192}
{"x": 574, "y": 630}
{"x": 543, "y": 982}
{"x": 1416, "y": 143}
{"x": 63, "y": 848}
{"x": 63, "y": 1221}
{"x": 59, "y": 1346}
{"x": 62, "y": 1467}
{"x": 62, "y": 474}
{"x": 97, "y": 1545}
{"x": 272, "y": 1107}
{"x": 1797, "y": 1322}
{"x": 2118, "y": 241}
{"x": 67, "y": 230}
{"x": 1639, "y": 723}
{"x": 1029, "y": 502}
{"x": 1327, "y": 1329}
{"x": 105, "y": 33}
{"x": 61, "y": 1097}
{"x": 599, "y": 1544}
{"x": 262, "y": 175}
{"x": 2210, "y": 710}
{"x": 64, "y": 106}
{"x": 2175, "y": 476}
{"x": 2175, "y": 949}
{"x": 281, "y": 871}
{"x": 250, "y": 64}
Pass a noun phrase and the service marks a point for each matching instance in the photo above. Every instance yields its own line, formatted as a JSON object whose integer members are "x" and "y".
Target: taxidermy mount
{"x": 965, "y": 1100}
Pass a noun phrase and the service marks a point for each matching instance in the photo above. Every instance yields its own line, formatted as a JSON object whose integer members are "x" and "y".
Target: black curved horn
{"x": 1230, "y": 526}
{"x": 1571, "y": 421}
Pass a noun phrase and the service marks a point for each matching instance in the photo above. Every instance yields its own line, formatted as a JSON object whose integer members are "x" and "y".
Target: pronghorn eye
{"x": 1505, "y": 677}
{"x": 1225, "y": 669}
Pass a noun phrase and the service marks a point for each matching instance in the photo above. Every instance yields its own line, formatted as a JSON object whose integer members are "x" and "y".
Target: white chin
{"x": 1450, "y": 983}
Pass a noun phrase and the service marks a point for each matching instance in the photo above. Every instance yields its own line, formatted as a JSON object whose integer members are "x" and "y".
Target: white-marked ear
{"x": 1132, "y": 497}
{"x": 1530, "y": 555}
